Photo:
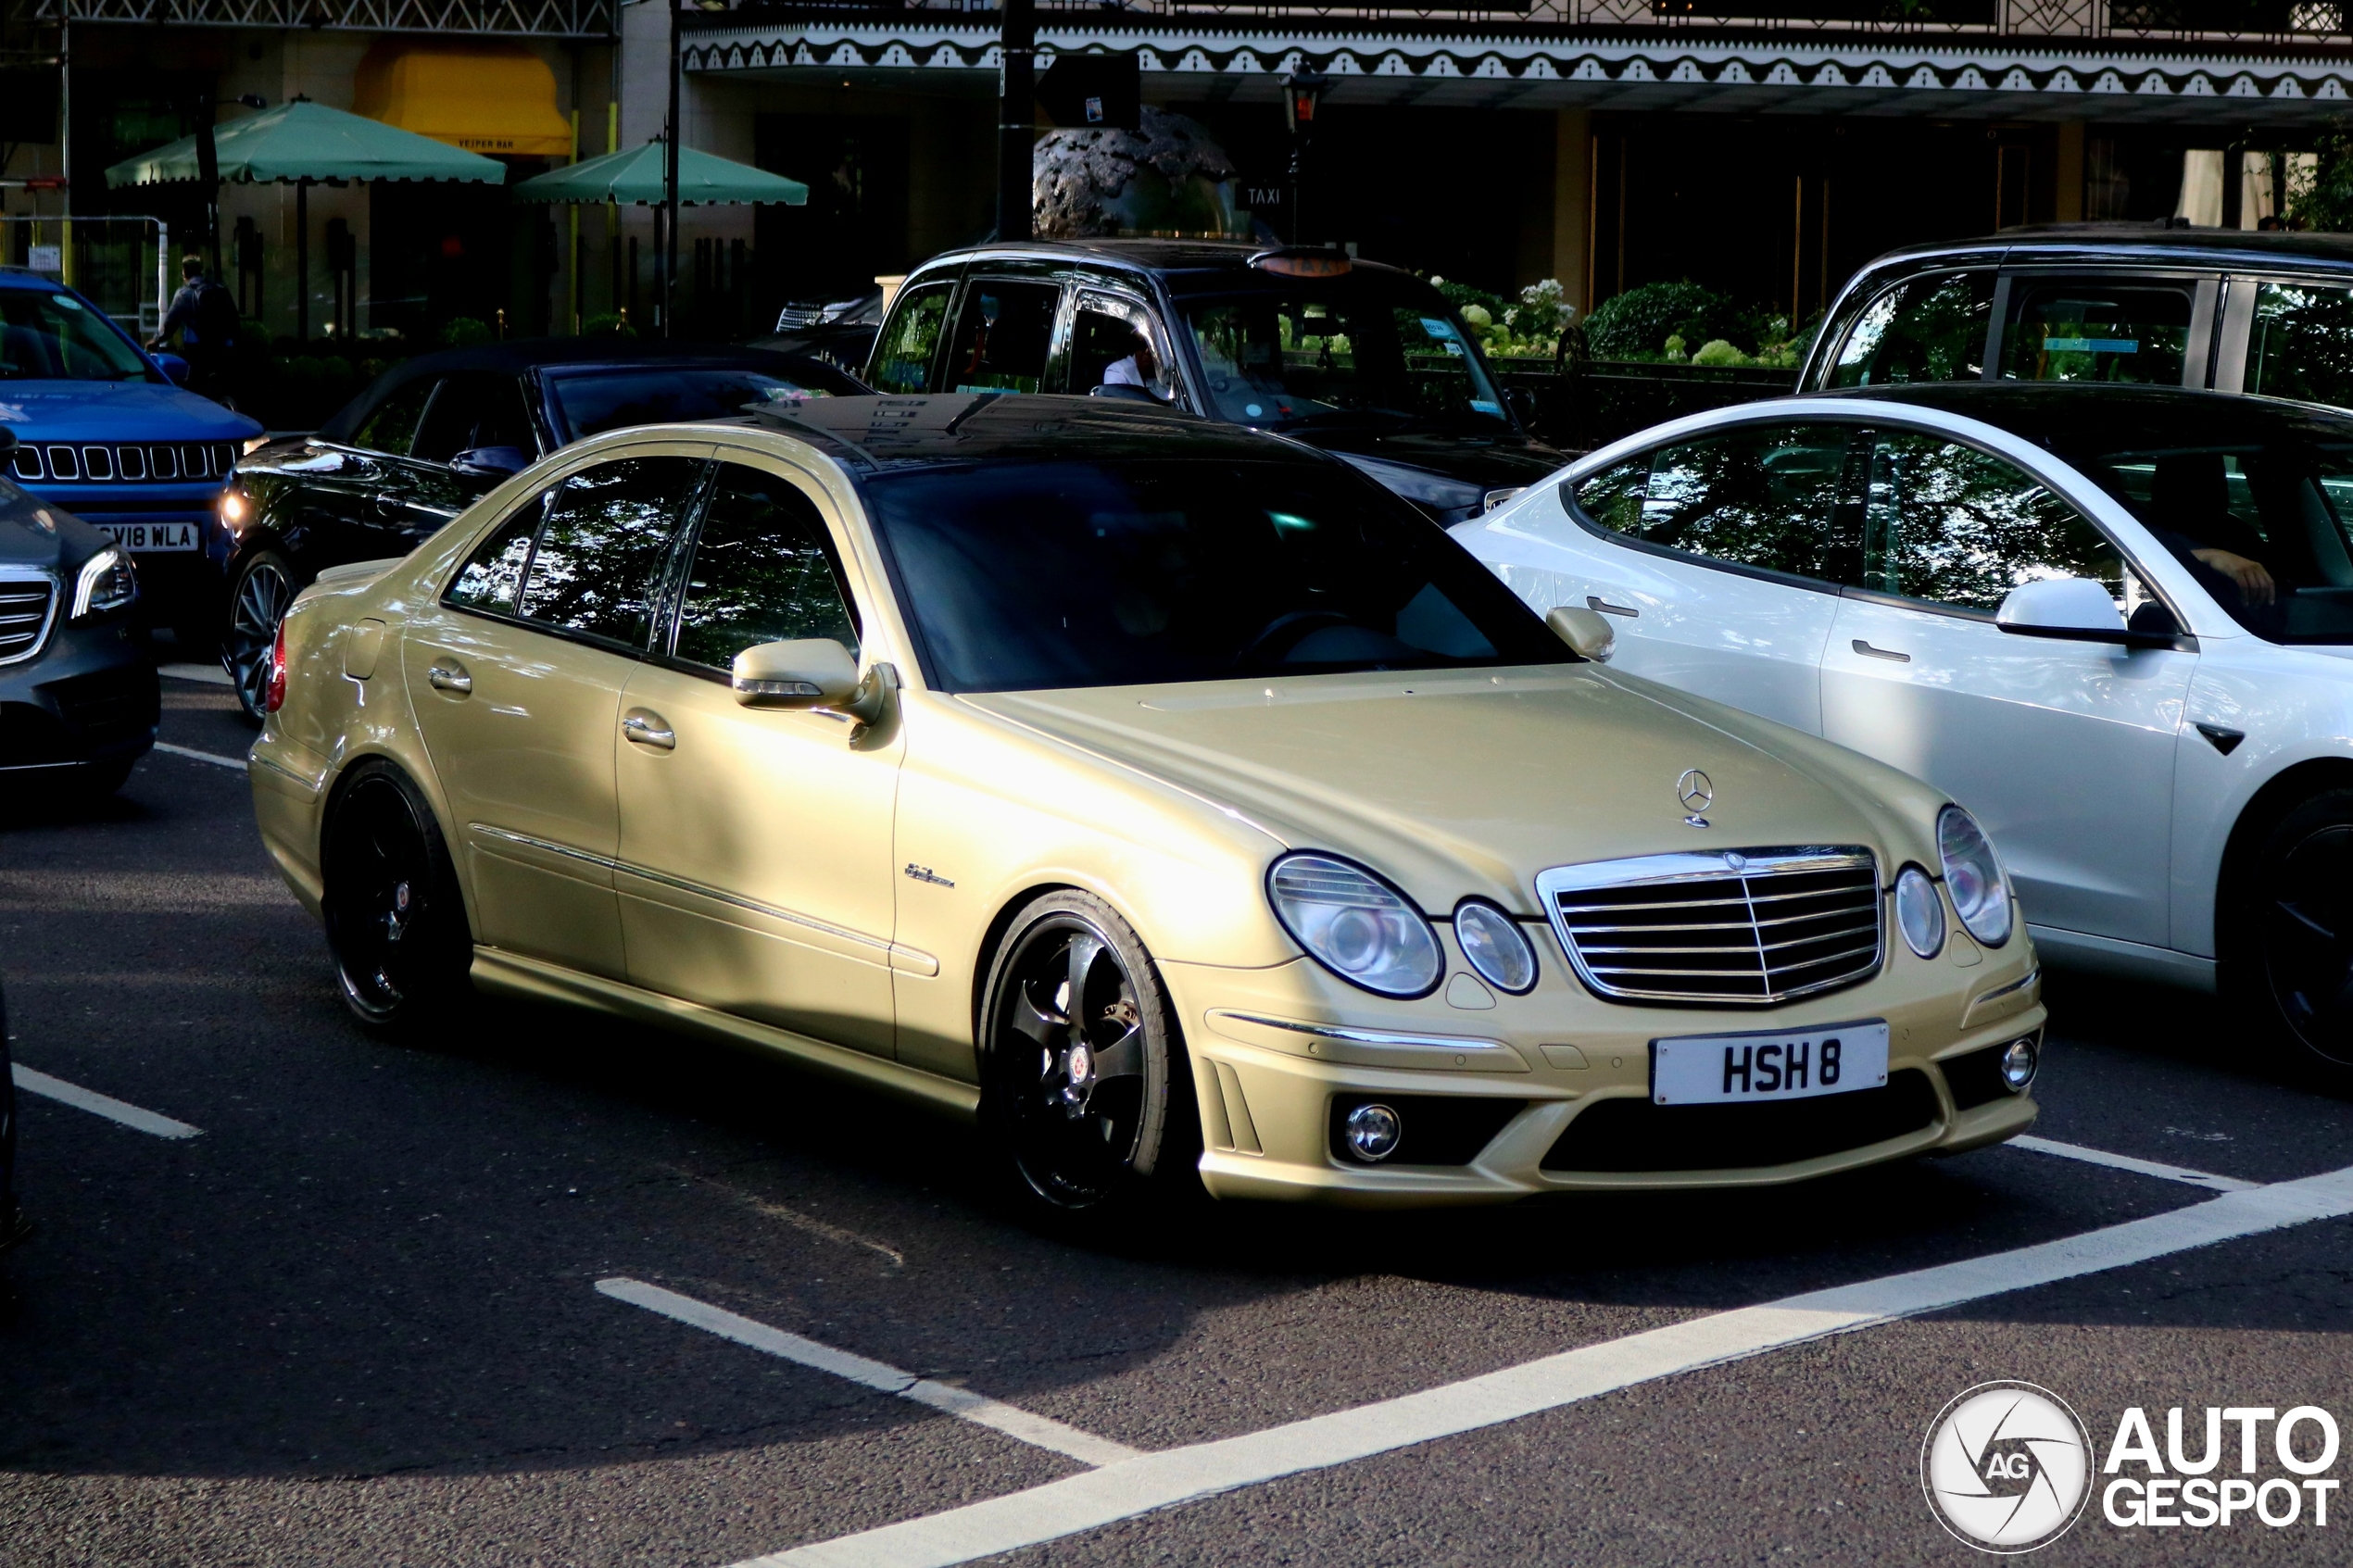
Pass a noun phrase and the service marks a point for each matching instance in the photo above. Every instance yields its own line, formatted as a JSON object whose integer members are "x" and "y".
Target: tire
{"x": 266, "y": 585}
{"x": 2288, "y": 943}
{"x": 396, "y": 920}
{"x": 1075, "y": 1150}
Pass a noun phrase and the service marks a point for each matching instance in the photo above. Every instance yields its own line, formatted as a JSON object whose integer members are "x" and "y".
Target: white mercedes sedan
{"x": 2117, "y": 622}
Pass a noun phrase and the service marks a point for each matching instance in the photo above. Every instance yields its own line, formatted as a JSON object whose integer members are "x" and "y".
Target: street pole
{"x": 1016, "y": 117}
{"x": 668, "y": 259}
{"x": 64, "y": 144}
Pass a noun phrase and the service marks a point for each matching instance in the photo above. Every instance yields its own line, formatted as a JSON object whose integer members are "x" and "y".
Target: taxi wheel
{"x": 2295, "y": 929}
{"x": 265, "y": 587}
{"x": 395, "y": 921}
{"x": 1081, "y": 1060}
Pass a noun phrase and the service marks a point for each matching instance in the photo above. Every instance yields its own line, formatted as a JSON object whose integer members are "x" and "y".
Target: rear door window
{"x": 911, "y": 341}
{"x": 2118, "y": 330}
{"x": 1774, "y": 498}
{"x": 1925, "y": 329}
{"x": 2301, "y": 343}
{"x": 1003, "y": 336}
{"x": 586, "y": 556}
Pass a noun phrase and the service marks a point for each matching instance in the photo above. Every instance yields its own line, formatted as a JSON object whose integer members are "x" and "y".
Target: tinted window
{"x": 1765, "y": 495}
{"x": 763, "y": 572}
{"x": 1955, "y": 526}
{"x": 1334, "y": 352}
{"x": 601, "y": 549}
{"x": 1926, "y": 329}
{"x": 1003, "y": 336}
{"x": 601, "y": 400}
{"x": 1041, "y": 575}
{"x": 2302, "y": 343}
{"x": 1112, "y": 346}
{"x": 393, "y": 427}
{"x": 492, "y": 577}
{"x": 903, "y": 356}
{"x": 56, "y": 337}
{"x": 2093, "y": 330}
{"x": 474, "y": 408}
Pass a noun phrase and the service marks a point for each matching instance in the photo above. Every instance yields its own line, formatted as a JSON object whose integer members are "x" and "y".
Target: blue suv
{"x": 103, "y": 431}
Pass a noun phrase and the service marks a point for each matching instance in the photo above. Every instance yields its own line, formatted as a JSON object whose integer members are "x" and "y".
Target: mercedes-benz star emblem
{"x": 1693, "y": 790}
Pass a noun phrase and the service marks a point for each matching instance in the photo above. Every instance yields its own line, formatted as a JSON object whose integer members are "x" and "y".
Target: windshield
{"x": 594, "y": 401}
{"x": 56, "y": 337}
{"x": 1337, "y": 350}
{"x": 1037, "y": 576}
{"x": 2260, "y": 523}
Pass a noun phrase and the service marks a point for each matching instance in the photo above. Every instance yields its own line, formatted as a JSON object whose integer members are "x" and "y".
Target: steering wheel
{"x": 1287, "y": 631}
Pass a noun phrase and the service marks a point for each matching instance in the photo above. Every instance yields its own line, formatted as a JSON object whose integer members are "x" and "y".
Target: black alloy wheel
{"x": 2301, "y": 908}
{"x": 1081, "y": 1065}
{"x": 264, "y": 590}
{"x": 395, "y": 921}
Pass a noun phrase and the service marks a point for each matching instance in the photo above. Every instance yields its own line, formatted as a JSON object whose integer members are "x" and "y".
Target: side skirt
{"x": 513, "y": 975}
{"x": 2126, "y": 961}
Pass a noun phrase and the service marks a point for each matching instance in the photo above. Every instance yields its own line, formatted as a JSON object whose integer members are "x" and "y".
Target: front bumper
{"x": 176, "y": 587}
{"x": 1273, "y": 1061}
{"x": 88, "y": 695}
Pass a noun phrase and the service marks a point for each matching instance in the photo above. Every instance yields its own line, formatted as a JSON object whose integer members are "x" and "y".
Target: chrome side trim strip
{"x": 2011, "y": 989}
{"x": 543, "y": 845}
{"x": 258, "y": 760}
{"x": 1363, "y": 1036}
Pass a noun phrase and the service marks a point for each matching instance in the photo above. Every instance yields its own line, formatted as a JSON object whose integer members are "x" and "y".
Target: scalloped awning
{"x": 2001, "y": 78}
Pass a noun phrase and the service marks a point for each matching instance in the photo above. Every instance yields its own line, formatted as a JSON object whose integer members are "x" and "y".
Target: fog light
{"x": 1372, "y": 1131}
{"x": 2019, "y": 1060}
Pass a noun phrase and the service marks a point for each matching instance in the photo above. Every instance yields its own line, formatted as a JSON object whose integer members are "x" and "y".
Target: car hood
{"x": 89, "y": 410}
{"x": 1491, "y": 462}
{"x": 38, "y": 534}
{"x": 1462, "y": 781}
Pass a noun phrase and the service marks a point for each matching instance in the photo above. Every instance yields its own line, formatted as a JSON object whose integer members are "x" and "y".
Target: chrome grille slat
{"x": 1725, "y": 929}
{"x": 27, "y": 608}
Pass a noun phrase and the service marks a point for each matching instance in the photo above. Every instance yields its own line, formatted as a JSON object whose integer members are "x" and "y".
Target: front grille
{"x": 1635, "y": 1134}
{"x": 26, "y": 604}
{"x": 118, "y": 462}
{"x": 1738, "y": 928}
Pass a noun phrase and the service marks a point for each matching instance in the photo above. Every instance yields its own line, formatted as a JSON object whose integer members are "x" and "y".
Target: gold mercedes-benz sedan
{"x": 1168, "y": 796}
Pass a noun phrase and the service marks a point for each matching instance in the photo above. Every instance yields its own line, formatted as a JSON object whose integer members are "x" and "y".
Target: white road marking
{"x": 2138, "y": 1167}
{"x": 1161, "y": 1480}
{"x": 1036, "y": 1430}
{"x": 98, "y": 1104}
{"x": 210, "y": 674}
{"x": 212, "y": 757}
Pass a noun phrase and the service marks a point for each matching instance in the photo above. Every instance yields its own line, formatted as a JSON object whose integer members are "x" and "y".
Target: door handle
{"x": 448, "y": 675}
{"x": 647, "y": 728}
{"x": 1889, "y": 654}
{"x": 1595, "y": 601}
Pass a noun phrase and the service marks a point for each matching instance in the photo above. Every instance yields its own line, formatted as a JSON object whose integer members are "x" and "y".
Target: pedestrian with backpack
{"x": 205, "y": 315}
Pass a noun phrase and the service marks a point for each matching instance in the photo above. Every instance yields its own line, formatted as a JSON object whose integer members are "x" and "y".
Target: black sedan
{"x": 78, "y": 697}
{"x": 414, "y": 449}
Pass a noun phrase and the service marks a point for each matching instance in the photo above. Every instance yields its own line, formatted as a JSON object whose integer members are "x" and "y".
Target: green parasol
{"x": 633, "y": 177}
{"x": 305, "y": 141}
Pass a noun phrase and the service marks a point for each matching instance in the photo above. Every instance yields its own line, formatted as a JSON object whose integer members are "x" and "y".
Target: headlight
{"x": 1492, "y": 941}
{"x": 107, "y": 582}
{"x": 1355, "y": 924}
{"x": 1973, "y": 877}
{"x": 1919, "y": 913}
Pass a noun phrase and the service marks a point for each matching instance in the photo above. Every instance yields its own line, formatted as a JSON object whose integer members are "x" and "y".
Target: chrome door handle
{"x": 1595, "y": 601}
{"x": 449, "y": 677}
{"x": 647, "y": 729}
{"x": 1889, "y": 654}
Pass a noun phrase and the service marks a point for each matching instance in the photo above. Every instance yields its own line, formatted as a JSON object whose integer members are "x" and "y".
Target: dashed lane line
{"x": 212, "y": 757}
{"x": 1036, "y": 1430}
{"x": 1170, "y": 1476}
{"x": 98, "y": 1104}
{"x": 2206, "y": 1179}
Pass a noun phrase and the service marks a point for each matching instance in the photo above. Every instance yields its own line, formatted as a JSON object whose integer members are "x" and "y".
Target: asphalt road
{"x": 357, "y": 1318}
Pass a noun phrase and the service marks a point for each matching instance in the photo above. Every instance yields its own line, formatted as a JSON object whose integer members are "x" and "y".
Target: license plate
{"x": 137, "y": 536}
{"x": 1734, "y": 1068}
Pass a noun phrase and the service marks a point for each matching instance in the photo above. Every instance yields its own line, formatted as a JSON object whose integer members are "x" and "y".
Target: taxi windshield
{"x": 46, "y": 336}
{"x": 1321, "y": 351}
{"x": 1027, "y": 576}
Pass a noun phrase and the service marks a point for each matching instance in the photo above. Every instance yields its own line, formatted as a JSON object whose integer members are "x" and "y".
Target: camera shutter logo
{"x": 2007, "y": 1467}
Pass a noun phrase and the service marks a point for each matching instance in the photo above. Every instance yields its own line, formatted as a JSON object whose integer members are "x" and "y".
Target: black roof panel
{"x": 887, "y": 432}
{"x": 2076, "y": 420}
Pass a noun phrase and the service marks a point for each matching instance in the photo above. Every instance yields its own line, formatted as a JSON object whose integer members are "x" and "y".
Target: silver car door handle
{"x": 449, "y": 678}
{"x": 1595, "y": 601}
{"x": 647, "y": 729}
{"x": 1869, "y": 652}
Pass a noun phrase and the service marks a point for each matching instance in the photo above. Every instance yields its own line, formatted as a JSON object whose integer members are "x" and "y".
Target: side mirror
{"x": 807, "y": 673}
{"x": 2072, "y": 610}
{"x": 1588, "y": 631}
{"x": 172, "y": 365}
{"x": 490, "y": 462}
